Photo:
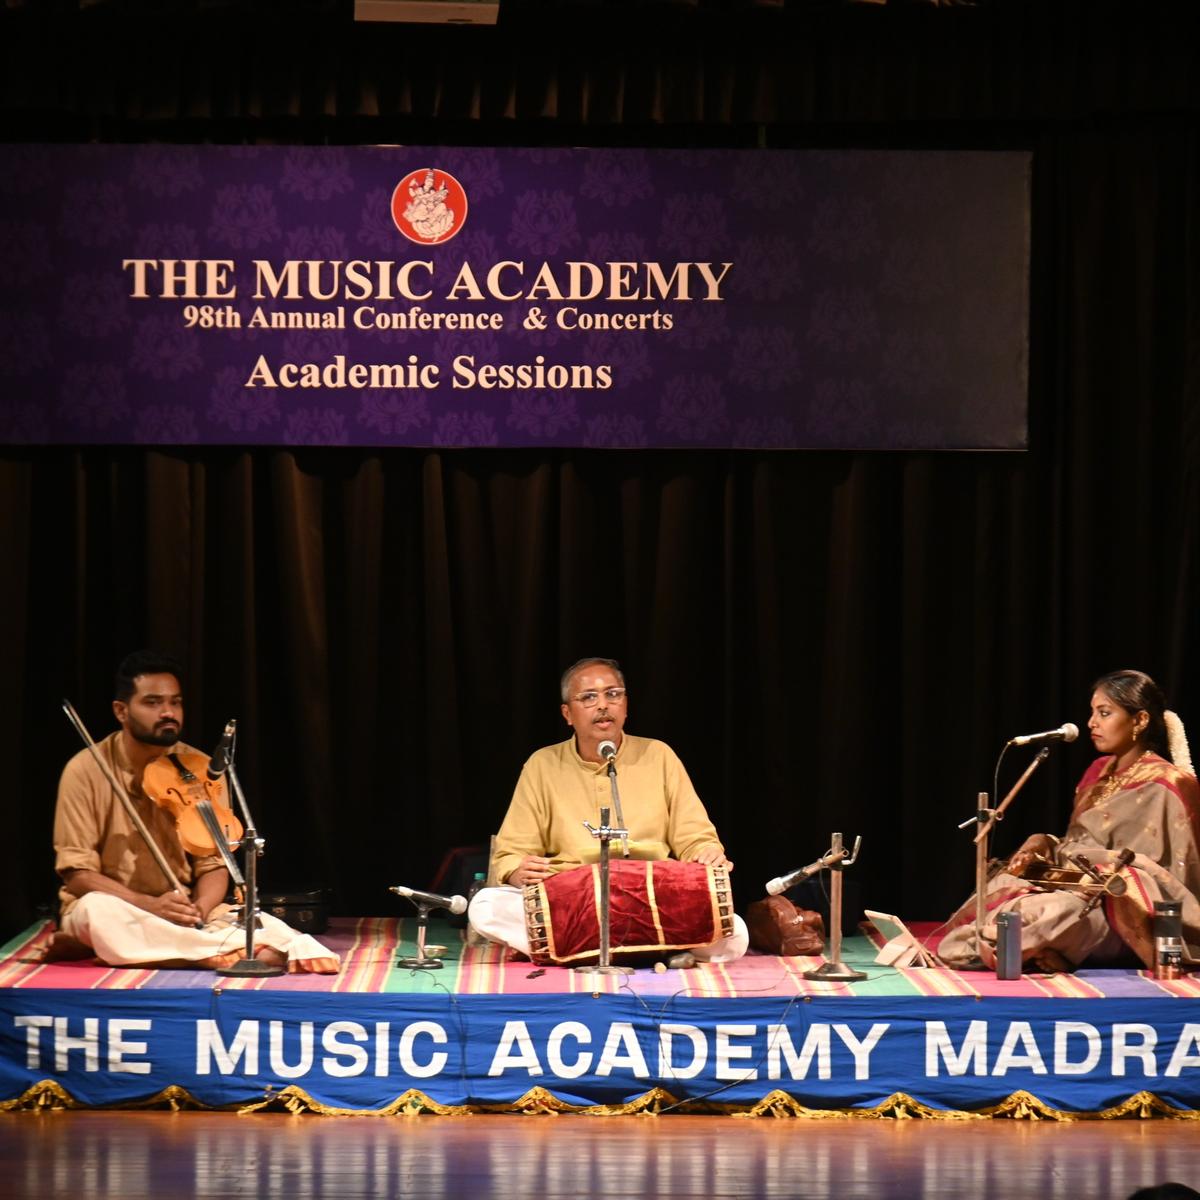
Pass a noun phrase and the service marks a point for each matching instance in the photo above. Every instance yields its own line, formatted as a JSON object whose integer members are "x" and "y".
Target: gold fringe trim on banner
{"x": 48, "y": 1095}
{"x": 412, "y": 1103}
{"x": 542, "y": 1103}
{"x": 897, "y": 1106}
{"x": 1145, "y": 1106}
{"x": 1020, "y": 1106}
{"x": 1024, "y": 1106}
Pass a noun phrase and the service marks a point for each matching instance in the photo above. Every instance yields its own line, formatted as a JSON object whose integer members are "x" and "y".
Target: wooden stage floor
{"x": 213, "y": 1156}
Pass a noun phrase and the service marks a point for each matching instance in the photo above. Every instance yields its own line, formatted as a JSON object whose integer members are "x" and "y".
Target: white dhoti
{"x": 499, "y": 914}
{"x": 121, "y": 934}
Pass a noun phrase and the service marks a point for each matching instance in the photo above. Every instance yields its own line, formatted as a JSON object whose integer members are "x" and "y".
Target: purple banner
{"x": 418, "y": 296}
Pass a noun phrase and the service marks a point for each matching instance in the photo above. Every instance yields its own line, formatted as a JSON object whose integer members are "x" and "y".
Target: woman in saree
{"x": 1140, "y": 794}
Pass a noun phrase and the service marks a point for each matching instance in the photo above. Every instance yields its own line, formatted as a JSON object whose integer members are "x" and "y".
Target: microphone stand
{"x": 834, "y": 970}
{"x": 252, "y": 844}
{"x": 985, "y": 819}
{"x": 422, "y": 961}
{"x": 605, "y": 833}
{"x": 616, "y": 799}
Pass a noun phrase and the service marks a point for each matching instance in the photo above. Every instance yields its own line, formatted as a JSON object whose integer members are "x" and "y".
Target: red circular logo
{"x": 429, "y": 206}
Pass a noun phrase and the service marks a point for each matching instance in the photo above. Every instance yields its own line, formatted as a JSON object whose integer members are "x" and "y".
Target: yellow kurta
{"x": 558, "y": 791}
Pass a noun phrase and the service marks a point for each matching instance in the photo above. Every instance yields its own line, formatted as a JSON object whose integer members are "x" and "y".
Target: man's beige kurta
{"x": 93, "y": 832}
{"x": 558, "y": 791}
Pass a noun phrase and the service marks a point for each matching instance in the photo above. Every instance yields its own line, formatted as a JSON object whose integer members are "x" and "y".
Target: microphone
{"x": 222, "y": 756}
{"x": 777, "y": 886}
{"x": 608, "y": 751}
{"x": 1064, "y": 733}
{"x": 455, "y": 904}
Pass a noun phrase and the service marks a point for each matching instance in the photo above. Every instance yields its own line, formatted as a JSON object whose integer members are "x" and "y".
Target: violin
{"x": 180, "y": 784}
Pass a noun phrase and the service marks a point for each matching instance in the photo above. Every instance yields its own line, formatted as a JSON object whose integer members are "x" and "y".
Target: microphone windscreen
{"x": 1070, "y": 732}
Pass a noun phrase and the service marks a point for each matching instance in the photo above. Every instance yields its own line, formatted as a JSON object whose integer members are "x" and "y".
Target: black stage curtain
{"x": 832, "y": 641}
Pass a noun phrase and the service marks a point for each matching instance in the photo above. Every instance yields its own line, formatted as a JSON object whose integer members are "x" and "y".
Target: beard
{"x": 158, "y": 735}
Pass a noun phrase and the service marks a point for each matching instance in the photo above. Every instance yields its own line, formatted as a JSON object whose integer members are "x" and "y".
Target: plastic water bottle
{"x": 1008, "y": 946}
{"x": 1168, "y": 939}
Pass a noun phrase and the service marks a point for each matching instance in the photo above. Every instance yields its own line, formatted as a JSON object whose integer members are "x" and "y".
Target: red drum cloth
{"x": 654, "y": 907}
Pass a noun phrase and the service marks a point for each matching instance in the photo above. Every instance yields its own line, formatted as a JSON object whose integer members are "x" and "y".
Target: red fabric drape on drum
{"x": 654, "y": 908}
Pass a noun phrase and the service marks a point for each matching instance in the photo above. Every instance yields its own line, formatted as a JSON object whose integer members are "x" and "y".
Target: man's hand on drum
{"x": 1039, "y": 847}
{"x": 533, "y": 868}
{"x": 713, "y": 856}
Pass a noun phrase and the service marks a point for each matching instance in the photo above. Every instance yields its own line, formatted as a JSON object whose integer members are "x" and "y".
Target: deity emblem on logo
{"x": 429, "y": 207}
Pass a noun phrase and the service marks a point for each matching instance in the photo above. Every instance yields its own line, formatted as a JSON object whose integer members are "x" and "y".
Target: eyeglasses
{"x": 589, "y": 699}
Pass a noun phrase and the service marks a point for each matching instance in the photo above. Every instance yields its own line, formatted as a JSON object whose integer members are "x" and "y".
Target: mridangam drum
{"x": 654, "y": 907}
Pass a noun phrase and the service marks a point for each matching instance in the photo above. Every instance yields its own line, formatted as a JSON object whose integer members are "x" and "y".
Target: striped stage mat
{"x": 370, "y": 946}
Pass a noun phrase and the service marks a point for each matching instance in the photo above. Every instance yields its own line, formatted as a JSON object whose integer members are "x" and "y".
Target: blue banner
{"x": 362, "y": 1052}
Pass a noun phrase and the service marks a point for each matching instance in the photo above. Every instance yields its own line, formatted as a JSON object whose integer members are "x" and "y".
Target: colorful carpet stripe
{"x": 370, "y": 946}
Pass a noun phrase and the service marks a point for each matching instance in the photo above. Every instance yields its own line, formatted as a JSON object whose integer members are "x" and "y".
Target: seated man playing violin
{"x": 116, "y": 900}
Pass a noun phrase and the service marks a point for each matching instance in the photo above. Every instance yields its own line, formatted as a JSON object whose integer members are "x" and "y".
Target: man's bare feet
{"x": 64, "y": 948}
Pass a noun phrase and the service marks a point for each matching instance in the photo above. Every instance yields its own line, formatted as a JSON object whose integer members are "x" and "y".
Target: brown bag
{"x": 777, "y": 926}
